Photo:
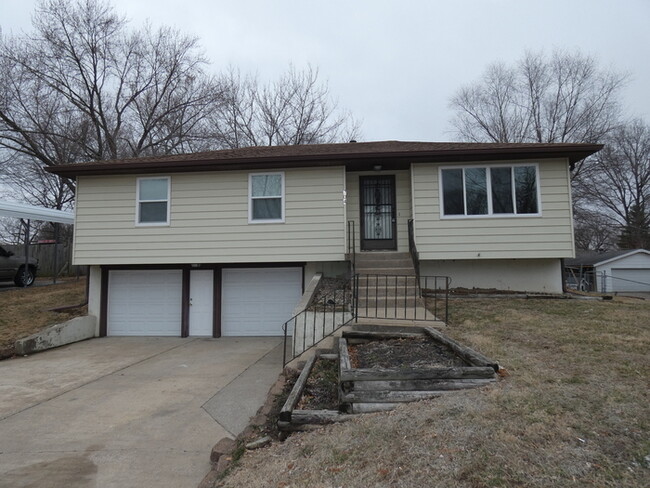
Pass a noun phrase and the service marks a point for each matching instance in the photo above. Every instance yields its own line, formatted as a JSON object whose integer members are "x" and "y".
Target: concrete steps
{"x": 387, "y": 281}
{"x": 384, "y": 263}
{"x": 399, "y": 290}
{"x": 390, "y": 302}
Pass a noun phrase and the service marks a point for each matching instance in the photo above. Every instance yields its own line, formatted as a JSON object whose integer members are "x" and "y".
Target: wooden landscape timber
{"x": 469, "y": 355}
{"x": 424, "y": 385}
{"x": 296, "y": 392}
{"x": 395, "y": 374}
{"x": 379, "y": 335}
{"x": 318, "y": 417}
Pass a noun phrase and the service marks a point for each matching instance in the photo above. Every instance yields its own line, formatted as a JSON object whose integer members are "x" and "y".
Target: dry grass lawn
{"x": 25, "y": 311}
{"x": 574, "y": 411}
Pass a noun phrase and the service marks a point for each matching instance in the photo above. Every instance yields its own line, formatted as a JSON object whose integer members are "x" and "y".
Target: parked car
{"x": 12, "y": 267}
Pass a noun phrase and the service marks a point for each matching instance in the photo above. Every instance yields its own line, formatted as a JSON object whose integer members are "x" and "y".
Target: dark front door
{"x": 378, "y": 222}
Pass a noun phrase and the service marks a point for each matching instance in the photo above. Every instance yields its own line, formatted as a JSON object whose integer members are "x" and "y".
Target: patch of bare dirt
{"x": 403, "y": 353}
{"x": 321, "y": 389}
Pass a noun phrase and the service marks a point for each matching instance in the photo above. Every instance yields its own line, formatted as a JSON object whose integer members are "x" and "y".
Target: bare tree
{"x": 564, "y": 98}
{"x": 295, "y": 109}
{"x": 594, "y": 230}
{"x": 84, "y": 86}
{"x": 617, "y": 184}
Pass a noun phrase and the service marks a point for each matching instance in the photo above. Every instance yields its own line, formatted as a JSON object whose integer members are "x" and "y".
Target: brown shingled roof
{"x": 362, "y": 155}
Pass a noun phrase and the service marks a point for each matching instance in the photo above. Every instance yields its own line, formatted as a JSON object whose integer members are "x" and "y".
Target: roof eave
{"x": 621, "y": 256}
{"x": 392, "y": 160}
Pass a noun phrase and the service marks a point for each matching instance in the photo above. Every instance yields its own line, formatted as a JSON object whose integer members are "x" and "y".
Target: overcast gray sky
{"x": 396, "y": 64}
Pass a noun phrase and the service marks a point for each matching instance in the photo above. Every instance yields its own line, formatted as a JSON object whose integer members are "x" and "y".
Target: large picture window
{"x": 496, "y": 190}
{"x": 266, "y": 197}
{"x": 153, "y": 201}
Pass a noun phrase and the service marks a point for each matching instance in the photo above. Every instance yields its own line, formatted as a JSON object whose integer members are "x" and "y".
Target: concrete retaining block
{"x": 74, "y": 330}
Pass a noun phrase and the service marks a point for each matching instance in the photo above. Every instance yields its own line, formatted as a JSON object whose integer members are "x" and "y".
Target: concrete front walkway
{"x": 122, "y": 412}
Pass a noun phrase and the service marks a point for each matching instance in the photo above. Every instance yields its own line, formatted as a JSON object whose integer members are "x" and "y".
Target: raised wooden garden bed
{"x": 380, "y": 367}
{"x": 381, "y": 387}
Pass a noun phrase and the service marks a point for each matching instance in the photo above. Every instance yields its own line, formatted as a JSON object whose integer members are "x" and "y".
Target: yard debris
{"x": 264, "y": 441}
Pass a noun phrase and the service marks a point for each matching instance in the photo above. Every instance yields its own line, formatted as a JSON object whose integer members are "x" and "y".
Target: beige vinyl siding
{"x": 209, "y": 221}
{"x": 547, "y": 236}
{"x": 402, "y": 197}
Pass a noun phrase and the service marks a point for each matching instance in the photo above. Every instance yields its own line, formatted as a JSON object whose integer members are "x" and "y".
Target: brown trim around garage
{"x": 103, "y": 302}
{"x": 216, "y": 303}
{"x": 185, "y": 293}
{"x": 185, "y": 304}
{"x": 135, "y": 267}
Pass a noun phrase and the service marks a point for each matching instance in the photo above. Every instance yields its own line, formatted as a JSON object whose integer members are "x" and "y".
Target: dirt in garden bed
{"x": 321, "y": 389}
{"x": 331, "y": 291}
{"x": 413, "y": 352}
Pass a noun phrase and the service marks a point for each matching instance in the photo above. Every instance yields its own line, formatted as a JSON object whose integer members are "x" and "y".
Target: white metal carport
{"x": 27, "y": 213}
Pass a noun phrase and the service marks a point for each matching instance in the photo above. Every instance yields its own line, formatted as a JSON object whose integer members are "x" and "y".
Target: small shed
{"x": 616, "y": 271}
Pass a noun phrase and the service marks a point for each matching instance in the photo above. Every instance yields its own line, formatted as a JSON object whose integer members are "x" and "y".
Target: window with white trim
{"x": 153, "y": 201}
{"x": 490, "y": 190}
{"x": 266, "y": 197}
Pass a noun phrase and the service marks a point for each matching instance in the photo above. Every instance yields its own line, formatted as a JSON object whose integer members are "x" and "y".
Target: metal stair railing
{"x": 401, "y": 297}
{"x": 320, "y": 319}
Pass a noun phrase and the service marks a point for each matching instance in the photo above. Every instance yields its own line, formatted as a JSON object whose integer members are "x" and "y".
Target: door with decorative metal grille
{"x": 378, "y": 222}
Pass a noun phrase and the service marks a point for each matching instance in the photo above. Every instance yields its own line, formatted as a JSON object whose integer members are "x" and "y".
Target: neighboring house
{"x": 614, "y": 271}
{"x": 221, "y": 243}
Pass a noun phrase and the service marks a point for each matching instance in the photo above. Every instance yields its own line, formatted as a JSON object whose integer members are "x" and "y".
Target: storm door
{"x": 378, "y": 222}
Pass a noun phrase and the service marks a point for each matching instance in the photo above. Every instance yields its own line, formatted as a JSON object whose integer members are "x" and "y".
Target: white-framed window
{"x": 152, "y": 197}
{"x": 265, "y": 197}
{"x": 495, "y": 191}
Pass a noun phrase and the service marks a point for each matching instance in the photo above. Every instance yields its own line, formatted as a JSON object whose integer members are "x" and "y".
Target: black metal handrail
{"x": 320, "y": 318}
{"x": 352, "y": 246}
{"x": 401, "y": 297}
{"x": 413, "y": 250}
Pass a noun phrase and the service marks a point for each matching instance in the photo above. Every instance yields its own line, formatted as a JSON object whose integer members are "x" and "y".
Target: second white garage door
{"x": 257, "y": 301}
{"x": 630, "y": 279}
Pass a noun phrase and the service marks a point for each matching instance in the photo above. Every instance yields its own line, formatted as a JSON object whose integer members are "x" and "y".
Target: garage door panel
{"x": 631, "y": 279}
{"x": 257, "y": 301}
{"x": 144, "y": 302}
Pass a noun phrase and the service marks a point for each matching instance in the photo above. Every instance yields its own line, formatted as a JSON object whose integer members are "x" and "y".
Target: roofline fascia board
{"x": 621, "y": 256}
{"x": 350, "y": 160}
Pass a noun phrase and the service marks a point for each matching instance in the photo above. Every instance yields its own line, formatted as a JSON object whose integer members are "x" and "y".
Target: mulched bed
{"x": 481, "y": 291}
{"x": 332, "y": 291}
{"x": 321, "y": 390}
{"x": 403, "y": 353}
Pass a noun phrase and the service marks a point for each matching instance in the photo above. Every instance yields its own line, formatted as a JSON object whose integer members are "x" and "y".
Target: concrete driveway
{"x": 128, "y": 412}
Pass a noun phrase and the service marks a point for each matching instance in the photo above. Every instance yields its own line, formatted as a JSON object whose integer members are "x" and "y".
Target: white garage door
{"x": 257, "y": 301}
{"x": 631, "y": 279}
{"x": 144, "y": 303}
